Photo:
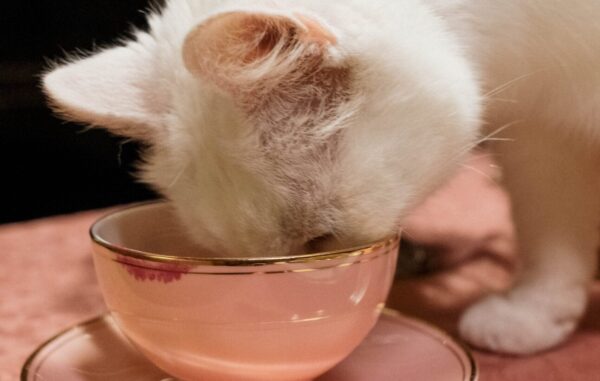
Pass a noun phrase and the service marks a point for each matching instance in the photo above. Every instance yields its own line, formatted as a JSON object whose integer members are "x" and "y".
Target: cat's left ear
{"x": 113, "y": 89}
{"x": 240, "y": 49}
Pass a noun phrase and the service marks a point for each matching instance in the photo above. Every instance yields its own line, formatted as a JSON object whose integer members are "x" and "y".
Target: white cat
{"x": 274, "y": 124}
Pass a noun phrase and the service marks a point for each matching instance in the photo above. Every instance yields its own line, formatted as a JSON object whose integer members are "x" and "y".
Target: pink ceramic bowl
{"x": 259, "y": 319}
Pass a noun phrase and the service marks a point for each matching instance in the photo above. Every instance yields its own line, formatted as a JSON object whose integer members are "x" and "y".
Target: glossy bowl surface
{"x": 242, "y": 319}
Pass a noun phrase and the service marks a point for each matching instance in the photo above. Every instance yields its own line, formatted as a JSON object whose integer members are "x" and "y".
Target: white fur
{"x": 340, "y": 136}
{"x": 406, "y": 118}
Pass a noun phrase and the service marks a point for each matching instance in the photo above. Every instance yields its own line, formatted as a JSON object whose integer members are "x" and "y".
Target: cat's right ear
{"x": 114, "y": 89}
{"x": 238, "y": 50}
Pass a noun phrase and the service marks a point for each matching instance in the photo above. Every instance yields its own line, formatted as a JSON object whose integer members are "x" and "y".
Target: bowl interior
{"x": 153, "y": 231}
{"x": 147, "y": 228}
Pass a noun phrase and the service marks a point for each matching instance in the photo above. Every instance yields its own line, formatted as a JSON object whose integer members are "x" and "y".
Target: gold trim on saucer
{"x": 421, "y": 325}
{"x": 357, "y": 251}
{"x": 426, "y": 327}
{"x": 27, "y": 365}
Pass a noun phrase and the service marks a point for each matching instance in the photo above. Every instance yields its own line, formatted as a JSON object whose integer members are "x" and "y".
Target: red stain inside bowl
{"x": 160, "y": 272}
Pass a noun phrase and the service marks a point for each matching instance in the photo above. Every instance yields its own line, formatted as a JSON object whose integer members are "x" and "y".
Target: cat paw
{"x": 511, "y": 325}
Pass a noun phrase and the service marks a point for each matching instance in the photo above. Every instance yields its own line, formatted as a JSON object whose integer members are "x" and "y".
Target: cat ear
{"x": 113, "y": 89}
{"x": 235, "y": 49}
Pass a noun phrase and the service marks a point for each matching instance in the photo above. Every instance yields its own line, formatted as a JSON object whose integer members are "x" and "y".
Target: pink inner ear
{"x": 315, "y": 31}
{"x": 222, "y": 46}
{"x": 261, "y": 34}
{"x": 232, "y": 40}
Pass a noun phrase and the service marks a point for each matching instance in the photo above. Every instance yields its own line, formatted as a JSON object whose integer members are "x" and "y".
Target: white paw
{"x": 516, "y": 325}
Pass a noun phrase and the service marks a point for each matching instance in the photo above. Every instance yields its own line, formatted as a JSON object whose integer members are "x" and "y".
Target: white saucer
{"x": 398, "y": 348}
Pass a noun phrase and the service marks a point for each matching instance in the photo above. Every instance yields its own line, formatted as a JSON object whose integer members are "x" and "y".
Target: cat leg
{"x": 553, "y": 183}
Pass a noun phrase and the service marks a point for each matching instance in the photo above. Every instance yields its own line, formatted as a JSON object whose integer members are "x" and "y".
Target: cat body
{"x": 539, "y": 64}
{"x": 272, "y": 124}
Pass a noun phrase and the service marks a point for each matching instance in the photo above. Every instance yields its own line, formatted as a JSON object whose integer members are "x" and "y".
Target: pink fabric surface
{"x": 48, "y": 283}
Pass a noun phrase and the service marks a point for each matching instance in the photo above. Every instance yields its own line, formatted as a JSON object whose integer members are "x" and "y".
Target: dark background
{"x": 48, "y": 166}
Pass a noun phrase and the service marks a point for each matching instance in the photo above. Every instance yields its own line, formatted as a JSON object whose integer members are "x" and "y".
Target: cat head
{"x": 273, "y": 129}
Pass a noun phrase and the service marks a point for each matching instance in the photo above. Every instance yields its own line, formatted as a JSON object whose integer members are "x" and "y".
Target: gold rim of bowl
{"x": 352, "y": 252}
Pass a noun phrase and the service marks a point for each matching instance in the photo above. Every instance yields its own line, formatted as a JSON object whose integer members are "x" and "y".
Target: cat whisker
{"x": 479, "y": 171}
{"x": 490, "y": 137}
{"x": 498, "y": 140}
{"x": 499, "y": 89}
{"x": 177, "y": 177}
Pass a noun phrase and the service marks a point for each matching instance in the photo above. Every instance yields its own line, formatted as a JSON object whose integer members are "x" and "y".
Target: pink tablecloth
{"x": 47, "y": 279}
